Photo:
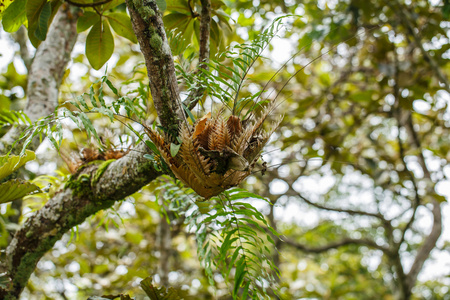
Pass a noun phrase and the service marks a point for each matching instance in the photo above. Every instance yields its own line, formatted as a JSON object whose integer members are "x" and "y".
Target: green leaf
{"x": 9, "y": 164}
{"x": 152, "y": 146}
{"x": 16, "y": 189}
{"x": 4, "y": 4}
{"x": 112, "y": 4}
{"x": 88, "y": 19}
{"x": 162, "y": 5}
{"x": 15, "y": 16}
{"x": 33, "y": 9}
{"x": 191, "y": 116}
{"x": 174, "y": 149}
{"x": 99, "y": 44}
{"x": 121, "y": 24}
{"x": 42, "y": 24}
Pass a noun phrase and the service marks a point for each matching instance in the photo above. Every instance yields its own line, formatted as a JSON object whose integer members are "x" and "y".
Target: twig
{"x": 343, "y": 210}
{"x": 77, "y": 4}
{"x": 205, "y": 27}
{"x": 334, "y": 245}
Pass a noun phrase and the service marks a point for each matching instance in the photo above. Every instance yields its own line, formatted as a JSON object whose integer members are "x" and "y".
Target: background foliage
{"x": 365, "y": 129}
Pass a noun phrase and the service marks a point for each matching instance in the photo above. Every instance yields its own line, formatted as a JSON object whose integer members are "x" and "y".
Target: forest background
{"x": 357, "y": 173}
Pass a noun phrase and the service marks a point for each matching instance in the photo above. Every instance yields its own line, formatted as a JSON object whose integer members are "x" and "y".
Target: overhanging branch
{"x": 93, "y": 189}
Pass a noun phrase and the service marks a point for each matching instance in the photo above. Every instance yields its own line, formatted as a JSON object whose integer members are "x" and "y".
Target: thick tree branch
{"x": 93, "y": 189}
{"x": 205, "y": 26}
{"x": 47, "y": 70}
{"x": 149, "y": 29}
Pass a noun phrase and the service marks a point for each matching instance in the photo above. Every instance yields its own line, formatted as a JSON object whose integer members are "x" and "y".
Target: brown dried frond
{"x": 90, "y": 154}
{"x": 215, "y": 154}
{"x": 203, "y": 137}
{"x": 234, "y": 126}
{"x": 72, "y": 161}
{"x": 219, "y": 137}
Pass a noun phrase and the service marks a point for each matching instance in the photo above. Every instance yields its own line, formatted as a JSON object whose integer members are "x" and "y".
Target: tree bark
{"x": 46, "y": 72}
{"x": 149, "y": 29}
{"x": 95, "y": 188}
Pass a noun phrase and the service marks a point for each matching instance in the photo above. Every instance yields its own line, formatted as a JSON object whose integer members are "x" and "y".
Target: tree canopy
{"x": 222, "y": 149}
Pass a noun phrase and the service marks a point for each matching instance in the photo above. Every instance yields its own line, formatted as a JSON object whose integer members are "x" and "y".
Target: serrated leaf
{"x": 10, "y": 164}
{"x": 15, "y": 15}
{"x": 121, "y": 24}
{"x": 42, "y": 24}
{"x": 88, "y": 19}
{"x": 16, "y": 189}
{"x": 99, "y": 44}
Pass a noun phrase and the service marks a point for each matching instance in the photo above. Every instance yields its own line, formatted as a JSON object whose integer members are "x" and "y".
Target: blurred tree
{"x": 355, "y": 174}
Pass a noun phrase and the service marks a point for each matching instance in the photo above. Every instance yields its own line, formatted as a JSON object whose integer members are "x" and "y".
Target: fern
{"x": 224, "y": 82}
{"x": 10, "y": 117}
{"x": 232, "y": 236}
{"x": 122, "y": 107}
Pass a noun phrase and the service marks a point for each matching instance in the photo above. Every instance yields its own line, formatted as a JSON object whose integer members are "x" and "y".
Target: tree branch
{"x": 408, "y": 280}
{"x": 149, "y": 29}
{"x": 87, "y": 4}
{"x": 205, "y": 26}
{"x": 335, "y": 245}
{"x": 93, "y": 189}
{"x": 21, "y": 38}
{"x": 398, "y": 116}
{"x": 348, "y": 211}
{"x": 47, "y": 70}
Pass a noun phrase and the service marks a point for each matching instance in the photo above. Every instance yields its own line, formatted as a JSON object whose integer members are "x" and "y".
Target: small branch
{"x": 21, "y": 38}
{"x": 77, "y": 4}
{"x": 397, "y": 114}
{"x": 342, "y": 210}
{"x": 408, "y": 280}
{"x": 193, "y": 14}
{"x": 427, "y": 246}
{"x": 335, "y": 245}
{"x": 91, "y": 190}
{"x": 205, "y": 27}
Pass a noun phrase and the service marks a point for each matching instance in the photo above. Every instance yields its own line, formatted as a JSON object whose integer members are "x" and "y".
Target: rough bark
{"x": 46, "y": 71}
{"x": 149, "y": 29}
{"x": 95, "y": 188}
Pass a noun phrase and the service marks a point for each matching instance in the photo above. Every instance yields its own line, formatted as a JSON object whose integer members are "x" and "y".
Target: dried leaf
{"x": 201, "y": 125}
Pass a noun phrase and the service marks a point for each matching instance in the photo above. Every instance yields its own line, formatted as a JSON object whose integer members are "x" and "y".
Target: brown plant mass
{"x": 215, "y": 154}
